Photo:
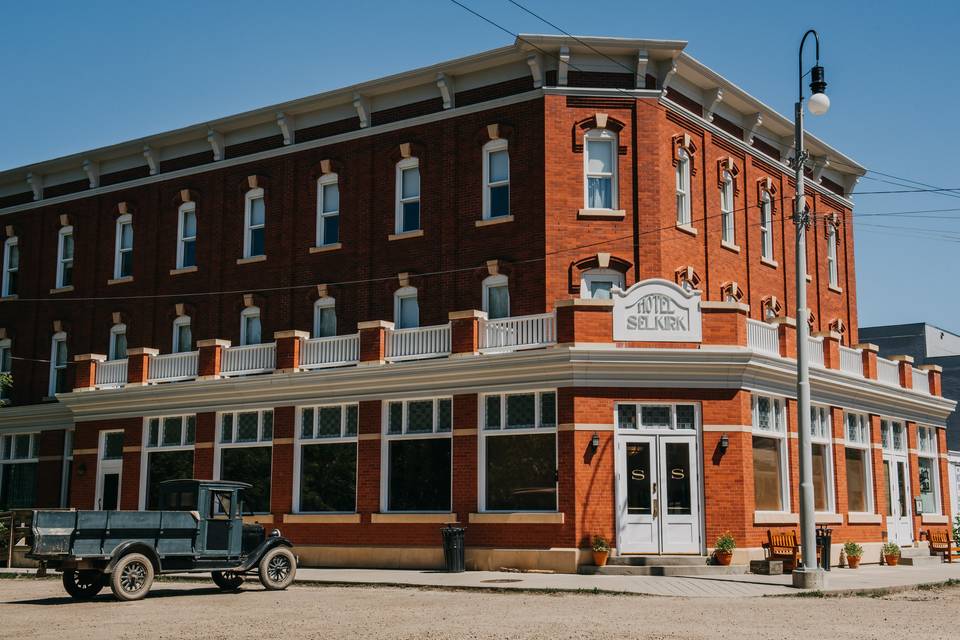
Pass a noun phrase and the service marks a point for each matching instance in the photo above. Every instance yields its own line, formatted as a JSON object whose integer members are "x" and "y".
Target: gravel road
{"x": 31, "y": 608}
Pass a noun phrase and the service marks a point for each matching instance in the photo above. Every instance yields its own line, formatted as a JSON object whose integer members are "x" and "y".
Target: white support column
{"x": 669, "y": 70}
{"x": 563, "y": 67}
{"x": 535, "y": 62}
{"x": 643, "y": 60}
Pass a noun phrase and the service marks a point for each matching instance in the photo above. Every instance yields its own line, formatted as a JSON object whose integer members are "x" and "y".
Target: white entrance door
{"x": 109, "y": 470}
{"x": 899, "y": 520}
{"x": 658, "y": 494}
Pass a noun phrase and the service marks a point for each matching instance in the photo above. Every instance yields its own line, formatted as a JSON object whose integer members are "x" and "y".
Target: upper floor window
{"x": 600, "y": 169}
{"x": 766, "y": 226}
{"x": 598, "y": 283}
{"x": 65, "y": 257}
{"x": 118, "y": 342}
{"x": 683, "y": 188}
{"x": 187, "y": 236}
{"x": 58, "y": 364}
{"x": 496, "y": 297}
{"x": 406, "y": 308}
{"x": 496, "y": 179}
{"x": 255, "y": 218}
{"x": 123, "y": 253}
{"x": 324, "y": 318}
{"x": 182, "y": 335}
{"x": 6, "y": 366}
{"x": 250, "y": 326}
{"x": 832, "y": 255}
{"x": 328, "y": 210}
{"x": 727, "y": 219}
{"x": 11, "y": 266}
{"x": 408, "y": 195}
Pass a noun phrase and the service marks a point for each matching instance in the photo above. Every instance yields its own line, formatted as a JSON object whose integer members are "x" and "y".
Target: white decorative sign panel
{"x": 656, "y": 310}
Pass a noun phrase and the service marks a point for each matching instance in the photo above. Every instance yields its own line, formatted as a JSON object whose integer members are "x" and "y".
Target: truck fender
{"x": 133, "y": 546}
{"x": 271, "y": 542}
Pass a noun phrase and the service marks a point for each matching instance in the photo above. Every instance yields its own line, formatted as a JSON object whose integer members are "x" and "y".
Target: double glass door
{"x": 899, "y": 521}
{"x": 658, "y": 494}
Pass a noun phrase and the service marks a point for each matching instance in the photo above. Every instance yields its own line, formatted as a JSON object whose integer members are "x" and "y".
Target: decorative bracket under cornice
{"x": 819, "y": 164}
{"x": 535, "y": 62}
{"x": 711, "y": 98}
{"x": 563, "y": 66}
{"x": 35, "y": 180}
{"x": 668, "y": 72}
{"x": 215, "y": 138}
{"x": 640, "y": 81}
{"x": 753, "y": 122}
{"x": 446, "y": 85}
{"x": 153, "y": 159}
{"x": 362, "y": 105}
{"x": 286, "y": 124}
{"x": 92, "y": 169}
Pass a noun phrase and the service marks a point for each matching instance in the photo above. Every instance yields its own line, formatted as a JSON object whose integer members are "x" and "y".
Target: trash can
{"x": 454, "y": 554}
{"x": 824, "y": 536}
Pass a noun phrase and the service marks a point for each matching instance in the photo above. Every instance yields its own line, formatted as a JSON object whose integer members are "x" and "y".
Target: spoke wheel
{"x": 228, "y": 580}
{"x": 132, "y": 577}
{"x": 277, "y": 569}
{"x": 83, "y": 584}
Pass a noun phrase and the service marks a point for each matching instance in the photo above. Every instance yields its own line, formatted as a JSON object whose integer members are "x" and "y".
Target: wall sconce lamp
{"x": 595, "y": 441}
{"x": 724, "y": 443}
{"x": 81, "y": 468}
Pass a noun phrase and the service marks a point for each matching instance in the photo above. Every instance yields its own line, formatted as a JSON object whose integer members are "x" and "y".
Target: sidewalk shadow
{"x": 108, "y": 597}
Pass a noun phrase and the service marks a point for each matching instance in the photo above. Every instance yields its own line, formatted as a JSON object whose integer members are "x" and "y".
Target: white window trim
{"x": 178, "y": 322}
{"x": 118, "y": 251}
{"x": 780, "y": 432}
{"x": 641, "y": 430}
{"x": 7, "y": 457}
{"x": 684, "y": 207}
{"x": 323, "y": 181}
{"x": 826, "y": 440}
{"x": 56, "y": 339}
{"x": 6, "y": 353}
{"x": 500, "y": 144}
{"x": 248, "y": 198}
{"x": 116, "y": 330}
{"x": 249, "y": 312}
{"x": 10, "y": 242}
{"x": 932, "y": 454}
{"x": 400, "y": 294}
{"x": 491, "y": 282}
{"x": 300, "y": 442}
{"x": 219, "y": 446}
{"x": 326, "y": 302}
{"x": 407, "y": 163}
{"x": 599, "y": 275}
{"x": 766, "y": 226}
{"x": 146, "y": 448}
{"x": 598, "y": 135}
{"x": 891, "y": 447}
{"x": 728, "y": 220}
{"x": 832, "y": 269}
{"x": 65, "y": 471}
{"x": 388, "y": 437}
{"x": 61, "y": 260}
{"x": 866, "y": 446}
{"x": 484, "y": 432}
{"x": 186, "y": 207}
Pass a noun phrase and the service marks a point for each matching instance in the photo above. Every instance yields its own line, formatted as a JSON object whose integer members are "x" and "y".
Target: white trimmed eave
{"x": 36, "y": 417}
{"x": 578, "y": 366}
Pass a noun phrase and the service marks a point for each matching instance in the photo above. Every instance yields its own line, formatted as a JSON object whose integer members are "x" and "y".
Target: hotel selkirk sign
{"x": 656, "y": 310}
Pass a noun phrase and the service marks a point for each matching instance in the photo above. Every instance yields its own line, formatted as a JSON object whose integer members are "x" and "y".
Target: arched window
{"x": 766, "y": 226}
{"x": 11, "y": 266}
{"x": 65, "y": 257}
{"x": 254, "y": 223}
{"x": 496, "y": 179}
{"x": 250, "y": 326}
{"x": 58, "y": 363}
{"x": 324, "y": 318}
{"x": 118, "y": 342}
{"x": 182, "y": 334}
{"x": 683, "y": 188}
{"x": 598, "y": 283}
{"x": 328, "y": 210}
{"x": 496, "y": 297}
{"x": 187, "y": 235}
{"x": 408, "y": 195}
{"x": 727, "y": 218}
{"x": 600, "y": 169}
{"x": 406, "y": 309}
{"x": 123, "y": 253}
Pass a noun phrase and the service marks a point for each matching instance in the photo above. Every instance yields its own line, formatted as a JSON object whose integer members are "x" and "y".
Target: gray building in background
{"x": 928, "y": 345}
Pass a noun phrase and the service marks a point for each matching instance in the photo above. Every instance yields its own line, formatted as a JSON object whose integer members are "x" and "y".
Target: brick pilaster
{"x": 869, "y": 351}
{"x": 935, "y": 379}
{"x": 210, "y": 357}
{"x": 288, "y": 350}
{"x": 368, "y": 459}
{"x": 831, "y": 348}
{"x": 373, "y": 341}
{"x": 465, "y": 332}
{"x": 203, "y": 448}
{"x": 580, "y": 320}
{"x": 49, "y": 468}
{"x": 725, "y": 322}
{"x": 85, "y": 371}
{"x": 281, "y": 480}
{"x": 465, "y": 456}
{"x": 138, "y": 365}
{"x": 787, "y": 333}
{"x": 905, "y": 370}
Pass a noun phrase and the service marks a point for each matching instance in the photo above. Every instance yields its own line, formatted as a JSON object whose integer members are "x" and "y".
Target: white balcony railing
{"x": 816, "y": 351}
{"x": 171, "y": 367}
{"x": 111, "y": 373}
{"x": 334, "y": 351}
{"x": 762, "y": 336}
{"x": 851, "y": 361}
{"x": 888, "y": 372}
{"x": 921, "y": 381}
{"x": 248, "y": 359}
{"x": 520, "y": 332}
{"x": 418, "y": 343}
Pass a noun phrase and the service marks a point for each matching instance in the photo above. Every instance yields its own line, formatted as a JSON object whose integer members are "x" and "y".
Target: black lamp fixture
{"x": 595, "y": 441}
{"x": 81, "y": 468}
{"x": 724, "y": 443}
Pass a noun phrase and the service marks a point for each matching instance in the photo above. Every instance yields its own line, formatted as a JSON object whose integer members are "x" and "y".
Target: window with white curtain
{"x": 255, "y": 220}
{"x": 118, "y": 342}
{"x": 58, "y": 364}
{"x": 182, "y": 334}
{"x": 727, "y": 217}
{"x": 123, "y": 254}
{"x": 324, "y": 318}
{"x": 65, "y": 257}
{"x": 832, "y": 255}
{"x": 328, "y": 210}
{"x": 766, "y": 226}
{"x": 683, "y": 188}
{"x": 406, "y": 308}
{"x": 11, "y": 266}
{"x": 821, "y": 436}
{"x": 600, "y": 169}
{"x": 187, "y": 235}
{"x": 496, "y": 297}
{"x": 408, "y": 195}
{"x": 250, "y": 326}
{"x": 496, "y": 179}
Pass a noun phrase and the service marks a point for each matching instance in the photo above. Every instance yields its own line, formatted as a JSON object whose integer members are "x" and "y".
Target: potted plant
{"x": 601, "y": 550}
{"x": 723, "y": 549}
{"x": 854, "y": 552}
{"x": 891, "y": 553}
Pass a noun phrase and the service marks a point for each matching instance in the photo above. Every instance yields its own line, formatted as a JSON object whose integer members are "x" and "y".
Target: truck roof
{"x": 225, "y": 484}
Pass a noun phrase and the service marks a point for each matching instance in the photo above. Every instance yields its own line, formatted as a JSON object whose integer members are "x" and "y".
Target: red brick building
{"x": 395, "y": 305}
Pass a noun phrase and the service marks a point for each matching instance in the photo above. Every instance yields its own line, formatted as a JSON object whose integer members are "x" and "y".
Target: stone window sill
{"x": 10, "y": 297}
{"x": 773, "y": 264}
{"x": 122, "y": 280}
{"x": 327, "y": 247}
{"x": 775, "y": 517}
{"x": 934, "y": 518}
{"x": 829, "y": 518}
{"x": 405, "y": 234}
{"x": 525, "y": 517}
{"x": 251, "y": 259}
{"x": 182, "y": 270}
{"x": 66, "y": 289}
{"x": 687, "y": 229}
{"x": 834, "y": 288}
{"x": 730, "y": 247}
{"x": 321, "y": 518}
{"x": 864, "y": 518}
{"x": 265, "y": 518}
{"x": 486, "y": 222}
{"x": 605, "y": 214}
{"x": 412, "y": 518}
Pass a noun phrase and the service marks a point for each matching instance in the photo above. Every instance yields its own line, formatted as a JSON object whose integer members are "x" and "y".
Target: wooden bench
{"x": 941, "y": 541}
{"x": 783, "y": 546}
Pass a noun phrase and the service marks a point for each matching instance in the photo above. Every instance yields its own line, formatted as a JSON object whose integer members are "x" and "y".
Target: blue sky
{"x": 82, "y": 75}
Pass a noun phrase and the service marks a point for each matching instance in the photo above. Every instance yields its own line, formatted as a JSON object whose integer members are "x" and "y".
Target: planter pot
{"x": 892, "y": 560}
{"x": 723, "y": 558}
{"x": 600, "y": 558}
{"x": 853, "y": 561}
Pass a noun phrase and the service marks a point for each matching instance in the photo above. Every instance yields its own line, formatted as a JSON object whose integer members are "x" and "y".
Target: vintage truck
{"x": 200, "y": 528}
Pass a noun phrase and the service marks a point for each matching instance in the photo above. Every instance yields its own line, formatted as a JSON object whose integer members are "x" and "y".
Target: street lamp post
{"x": 811, "y": 576}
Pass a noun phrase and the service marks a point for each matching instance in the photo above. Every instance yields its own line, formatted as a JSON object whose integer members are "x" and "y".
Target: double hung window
{"x": 255, "y": 221}
{"x": 123, "y": 253}
{"x": 187, "y": 235}
{"x": 496, "y": 179}
{"x": 770, "y": 470}
{"x": 600, "y": 169}
{"x": 408, "y": 195}
{"x": 859, "y": 471}
{"x": 328, "y": 210}
{"x": 65, "y": 258}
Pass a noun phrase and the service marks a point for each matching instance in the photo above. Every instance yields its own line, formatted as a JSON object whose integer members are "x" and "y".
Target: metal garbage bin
{"x": 824, "y": 537}
{"x": 454, "y": 554}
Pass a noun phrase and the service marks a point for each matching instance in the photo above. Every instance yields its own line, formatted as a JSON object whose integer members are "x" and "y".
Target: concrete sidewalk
{"x": 866, "y": 578}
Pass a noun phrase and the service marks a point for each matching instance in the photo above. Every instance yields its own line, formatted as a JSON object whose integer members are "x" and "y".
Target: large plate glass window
{"x": 18, "y": 470}
{"x": 326, "y": 463}
{"x": 417, "y": 454}
{"x": 770, "y": 469}
{"x": 822, "y": 444}
{"x": 519, "y": 451}
{"x": 928, "y": 469}
{"x": 858, "y": 462}
{"x": 169, "y": 453}
{"x": 245, "y": 453}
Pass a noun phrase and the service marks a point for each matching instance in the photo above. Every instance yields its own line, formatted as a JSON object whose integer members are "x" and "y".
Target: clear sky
{"x": 79, "y": 75}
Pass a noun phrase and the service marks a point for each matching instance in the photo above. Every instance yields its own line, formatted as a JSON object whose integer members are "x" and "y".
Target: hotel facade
{"x": 544, "y": 291}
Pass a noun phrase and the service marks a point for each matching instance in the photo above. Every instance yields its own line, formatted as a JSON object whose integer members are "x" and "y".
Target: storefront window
{"x": 928, "y": 469}
{"x": 18, "y": 470}
{"x": 327, "y": 459}
{"x": 169, "y": 453}
{"x": 820, "y": 434}
{"x": 418, "y": 454}
{"x": 245, "y": 454}
{"x": 857, "y": 455}
{"x": 769, "y": 454}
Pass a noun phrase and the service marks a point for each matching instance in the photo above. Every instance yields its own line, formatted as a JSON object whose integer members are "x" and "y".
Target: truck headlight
{"x": 275, "y": 533}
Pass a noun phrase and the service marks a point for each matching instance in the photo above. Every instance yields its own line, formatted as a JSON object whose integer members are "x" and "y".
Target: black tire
{"x": 132, "y": 577}
{"x": 277, "y": 569}
{"x": 83, "y": 584}
{"x": 228, "y": 580}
